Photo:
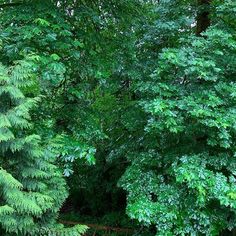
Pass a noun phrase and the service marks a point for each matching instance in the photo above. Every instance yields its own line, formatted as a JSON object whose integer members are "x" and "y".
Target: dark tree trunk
{"x": 203, "y": 17}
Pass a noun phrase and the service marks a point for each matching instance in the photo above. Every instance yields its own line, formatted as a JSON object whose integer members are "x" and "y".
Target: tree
{"x": 182, "y": 176}
{"x": 31, "y": 187}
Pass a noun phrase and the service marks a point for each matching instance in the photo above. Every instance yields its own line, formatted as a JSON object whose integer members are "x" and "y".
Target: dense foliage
{"x": 123, "y": 104}
{"x": 182, "y": 176}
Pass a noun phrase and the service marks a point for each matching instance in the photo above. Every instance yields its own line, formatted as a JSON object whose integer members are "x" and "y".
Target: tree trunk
{"x": 203, "y": 17}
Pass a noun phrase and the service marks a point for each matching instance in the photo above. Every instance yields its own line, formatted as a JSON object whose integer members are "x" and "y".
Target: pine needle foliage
{"x": 32, "y": 188}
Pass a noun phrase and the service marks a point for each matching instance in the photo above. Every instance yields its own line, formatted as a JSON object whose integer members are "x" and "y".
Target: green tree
{"x": 32, "y": 189}
{"x": 182, "y": 173}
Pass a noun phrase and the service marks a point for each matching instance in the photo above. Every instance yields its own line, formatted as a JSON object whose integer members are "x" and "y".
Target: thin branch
{"x": 10, "y": 4}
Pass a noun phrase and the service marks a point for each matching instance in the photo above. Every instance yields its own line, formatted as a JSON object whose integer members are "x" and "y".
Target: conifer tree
{"x": 32, "y": 188}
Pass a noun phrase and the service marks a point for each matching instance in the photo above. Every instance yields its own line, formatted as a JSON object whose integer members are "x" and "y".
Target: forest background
{"x": 118, "y": 113}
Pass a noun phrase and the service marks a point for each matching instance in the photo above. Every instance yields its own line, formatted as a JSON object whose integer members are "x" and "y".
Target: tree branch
{"x": 10, "y": 4}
